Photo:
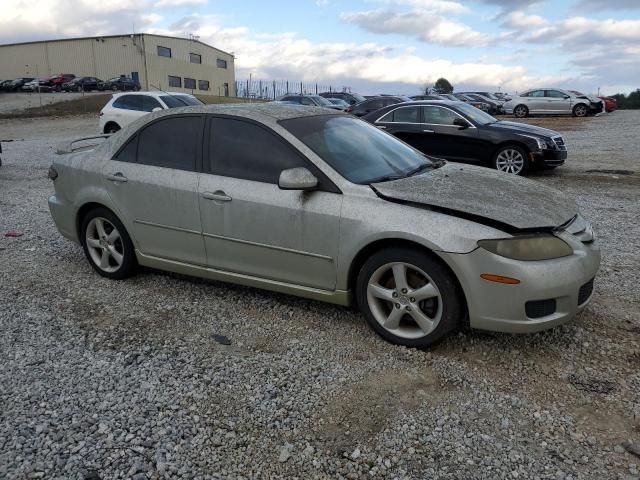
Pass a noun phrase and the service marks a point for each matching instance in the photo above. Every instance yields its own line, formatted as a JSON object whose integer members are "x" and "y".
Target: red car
{"x": 610, "y": 103}
{"x": 55, "y": 81}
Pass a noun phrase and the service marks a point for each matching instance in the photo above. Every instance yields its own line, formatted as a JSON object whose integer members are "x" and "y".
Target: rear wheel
{"x": 107, "y": 245}
{"x": 511, "y": 159}
{"x": 580, "y": 110}
{"x": 520, "y": 111}
{"x": 409, "y": 298}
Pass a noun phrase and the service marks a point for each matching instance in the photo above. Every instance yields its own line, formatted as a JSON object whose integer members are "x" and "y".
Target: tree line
{"x": 628, "y": 101}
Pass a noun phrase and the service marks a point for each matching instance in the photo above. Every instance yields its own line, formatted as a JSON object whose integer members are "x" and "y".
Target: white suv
{"x": 124, "y": 108}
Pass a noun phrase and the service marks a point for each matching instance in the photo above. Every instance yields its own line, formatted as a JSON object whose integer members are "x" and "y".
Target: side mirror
{"x": 459, "y": 122}
{"x": 157, "y": 109}
{"x": 297, "y": 179}
{"x": 567, "y": 97}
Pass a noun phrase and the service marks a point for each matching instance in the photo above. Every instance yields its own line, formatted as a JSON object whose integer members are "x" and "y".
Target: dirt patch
{"x": 368, "y": 407}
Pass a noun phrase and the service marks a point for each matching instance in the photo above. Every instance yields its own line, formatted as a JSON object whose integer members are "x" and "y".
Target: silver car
{"x": 323, "y": 205}
{"x": 550, "y": 101}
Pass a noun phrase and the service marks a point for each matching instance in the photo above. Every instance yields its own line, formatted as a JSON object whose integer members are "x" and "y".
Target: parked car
{"x": 548, "y": 101}
{"x": 124, "y": 108}
{"x": 82, "y": 84}
{"x": 596, "y": 104}
{"x": 610, "y": 103}
{"x": 375, "y": 103}
{"x": 350, "y": 98}
{"x": 340, "y": 102}
{"x": 16, "y": 85}
{"x": 4, "y": 85}
{"x": 56, "y": 81}
{"x": 310, "y": 100}
{"x": 495, "y": 107}
{"x": 119, "y": 83}
{"x": 34, "y": 85}
{"x": 280, "y": 198}
{"x": 427, "y": 97}
{"x": 462, "y": 133}
{"x": 470, "y": 101}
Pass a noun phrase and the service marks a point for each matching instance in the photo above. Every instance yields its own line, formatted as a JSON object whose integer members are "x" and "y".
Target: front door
{"x": 557, "y": 101}
{"x": 451, "y": 141}
{"x": 153, "y": 182}
{"x": 252, "y": 227}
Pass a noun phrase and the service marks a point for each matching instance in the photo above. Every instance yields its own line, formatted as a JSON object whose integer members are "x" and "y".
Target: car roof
{"x": 153, "y": 94}
{"x": 267, "y": 113}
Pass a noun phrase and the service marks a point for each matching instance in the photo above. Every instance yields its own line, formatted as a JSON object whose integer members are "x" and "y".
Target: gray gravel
{"x": 104, "y": 379}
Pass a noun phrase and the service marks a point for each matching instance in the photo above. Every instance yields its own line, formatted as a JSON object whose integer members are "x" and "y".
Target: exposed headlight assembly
{"x": 541, "y": 143}
{"x": 528, "y": 247}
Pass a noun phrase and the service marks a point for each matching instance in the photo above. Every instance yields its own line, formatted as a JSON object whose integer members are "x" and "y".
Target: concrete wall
{"x": 106, "y": 57}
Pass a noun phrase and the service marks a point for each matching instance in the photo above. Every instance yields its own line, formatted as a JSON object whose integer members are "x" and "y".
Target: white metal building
{"x": 156, "y": 61}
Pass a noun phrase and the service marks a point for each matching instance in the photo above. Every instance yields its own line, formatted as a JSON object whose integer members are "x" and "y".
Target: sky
{"x": 377, "y": 46}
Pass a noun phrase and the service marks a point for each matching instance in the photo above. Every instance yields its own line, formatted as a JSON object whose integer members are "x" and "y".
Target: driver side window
{"x": 438, "y": 116}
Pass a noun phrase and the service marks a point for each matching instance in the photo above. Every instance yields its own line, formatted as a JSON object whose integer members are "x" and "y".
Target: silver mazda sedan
{"x": 319, "y": 204}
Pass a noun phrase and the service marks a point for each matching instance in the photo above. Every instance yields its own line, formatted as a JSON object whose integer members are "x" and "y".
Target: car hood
{"x": 525, "y": 129}
{"x": 505, "y": 201}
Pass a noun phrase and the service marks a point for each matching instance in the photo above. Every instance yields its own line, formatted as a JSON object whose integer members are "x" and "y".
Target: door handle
{"x": 427, "y": 131}
{"x": 218, "y": 196}
{"x": 381, "y": 127}
{"x": 116, "y": 177}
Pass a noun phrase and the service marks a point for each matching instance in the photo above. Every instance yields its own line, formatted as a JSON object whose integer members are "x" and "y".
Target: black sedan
{"x": 119, "y": 83}
{"x": 80, "y": 84}
{"x": 459, "y": 132}
{"x": 374, "y": 103}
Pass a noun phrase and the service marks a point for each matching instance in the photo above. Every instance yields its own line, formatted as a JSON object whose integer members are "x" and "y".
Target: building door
{"x": 226, "y": 89}
{"x": 135, "y": 77}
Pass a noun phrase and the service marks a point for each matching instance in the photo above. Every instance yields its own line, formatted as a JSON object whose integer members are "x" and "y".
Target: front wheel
{"x": 580, "y": 110}
{"x": 107, "y": 245}
{"x": 409, "y": 298}
{"x": 112, "y": 128}
{"x": 511, "y": 159}
{"x": 520, "y": 111}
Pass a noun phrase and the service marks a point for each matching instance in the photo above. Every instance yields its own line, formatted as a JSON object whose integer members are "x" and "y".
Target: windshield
{"x": 355, "y": 149}
{"x": 174, "y": 101}
{"x": 357, "y": 97}
{"x": 318, "y": 100}
{"x": 476, "y": 114}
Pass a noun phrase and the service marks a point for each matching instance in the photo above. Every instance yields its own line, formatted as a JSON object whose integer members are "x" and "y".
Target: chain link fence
{"x": 272, "y": 89}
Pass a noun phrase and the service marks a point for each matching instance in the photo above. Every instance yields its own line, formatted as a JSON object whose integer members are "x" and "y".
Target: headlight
{"x": 528, "y": 247}
{"x": 541, "y": 143}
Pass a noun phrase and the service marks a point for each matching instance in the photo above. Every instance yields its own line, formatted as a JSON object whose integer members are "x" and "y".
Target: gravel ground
{"x": 104, "y": 379}
{"x": 11, "y": 102}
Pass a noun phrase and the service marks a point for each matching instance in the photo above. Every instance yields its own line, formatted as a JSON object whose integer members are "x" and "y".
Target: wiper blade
{"x": 386, "y": 178}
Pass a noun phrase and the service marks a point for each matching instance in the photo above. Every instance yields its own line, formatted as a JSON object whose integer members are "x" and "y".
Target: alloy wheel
{"x": 510, "y": 160}
{"x": 520, "y": 111}
{"x": 104, "y": 244}
{"x": 580, "y": 111}
{"x": 404, "y": 300}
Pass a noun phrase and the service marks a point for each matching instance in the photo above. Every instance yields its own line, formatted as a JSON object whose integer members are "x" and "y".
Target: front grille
{"x": 540, "y": 308}
{"x": 559, "y": 141}
{"x": 585, "y": 292}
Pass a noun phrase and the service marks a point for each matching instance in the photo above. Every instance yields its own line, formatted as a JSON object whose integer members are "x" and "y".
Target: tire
{"x": 511, "y": 159}
{"x": 580, "y": 110}
{"x": 520, "y": 111}
{"x": 440, "y": 312}
{"x": 111, "y": 128}
{"x": 114, "y": 88}
{"x": 107, "y": 245}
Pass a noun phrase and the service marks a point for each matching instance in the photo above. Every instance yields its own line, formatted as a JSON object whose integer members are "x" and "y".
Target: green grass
{"x": 93, "y": 104}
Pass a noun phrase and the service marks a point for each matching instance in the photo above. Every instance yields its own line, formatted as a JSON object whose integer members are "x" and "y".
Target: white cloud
{"x": 520, "y": 20}
{"x": 179, "y": 3}
{"x": 425, "y": 26}
{"x": 430, "y": 6}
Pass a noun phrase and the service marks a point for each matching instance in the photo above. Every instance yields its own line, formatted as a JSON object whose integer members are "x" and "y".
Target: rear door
{"x": 406, "y": 124}
{"x": 153, "y": 182}
{"x": 536, "y": 102}
{"x": 250, "y": 226}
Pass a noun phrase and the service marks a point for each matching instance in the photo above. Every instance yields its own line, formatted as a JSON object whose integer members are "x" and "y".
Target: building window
{"x": 195, "y": 58}
{"x": 164, "y": 52}
{"x": 221, "y": 63}
{"x": 203, "y": 84}
{"x": 175, "y": 81}
{"x": 189, "y": 83}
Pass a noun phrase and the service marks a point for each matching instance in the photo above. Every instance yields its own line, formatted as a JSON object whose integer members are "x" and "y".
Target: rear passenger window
{"x": 171, "y": 143}
{"x": 129, "y": 152}
{"x": 244, "y": 150}
{"x": 129, "y": 102}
